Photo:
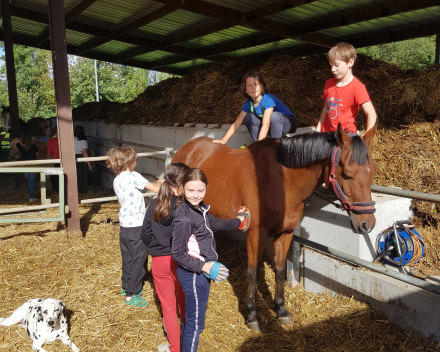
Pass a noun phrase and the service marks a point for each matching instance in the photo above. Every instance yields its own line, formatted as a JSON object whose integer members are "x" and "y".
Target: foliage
{"x": 116, "y": 83}
{"x": 416, "y": 53}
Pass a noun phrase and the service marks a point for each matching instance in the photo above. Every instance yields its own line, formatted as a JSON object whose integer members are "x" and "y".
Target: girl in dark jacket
{"x": 156, "y": 234}
{"x": 193, "y": 247}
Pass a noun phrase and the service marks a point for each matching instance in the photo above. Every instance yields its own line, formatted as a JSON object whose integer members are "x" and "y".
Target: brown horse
{"x": 276, "y": 194}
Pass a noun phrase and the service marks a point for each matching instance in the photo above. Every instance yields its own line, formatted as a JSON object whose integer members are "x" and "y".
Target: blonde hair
{"x": 342, "y": 52}
{"x": 121, "y": 158}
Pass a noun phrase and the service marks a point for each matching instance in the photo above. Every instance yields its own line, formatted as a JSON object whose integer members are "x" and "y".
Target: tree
{"x": 416, "y": 53}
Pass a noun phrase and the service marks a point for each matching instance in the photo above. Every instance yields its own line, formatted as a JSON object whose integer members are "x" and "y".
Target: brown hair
{"x": 256, "y": 75}
{"x": 26, "y": 140}
{"x": 342, "y": 52}
{"x": 121, "y": 158}
{"x": 194, "y": 175}
{"x": 172, "y": 174}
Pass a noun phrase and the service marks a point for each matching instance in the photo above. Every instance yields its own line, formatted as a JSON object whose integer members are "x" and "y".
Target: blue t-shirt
{"x": 267, "y": 101}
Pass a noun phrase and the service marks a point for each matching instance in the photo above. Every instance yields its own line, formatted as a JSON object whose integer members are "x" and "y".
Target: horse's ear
{"x": 368, "y": 137}
{"x": 342, "y": 136}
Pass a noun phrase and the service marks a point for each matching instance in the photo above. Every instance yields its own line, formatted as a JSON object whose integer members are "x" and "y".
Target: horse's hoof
{"x": 286, "y": 320}
{"x": 253, "y": 325}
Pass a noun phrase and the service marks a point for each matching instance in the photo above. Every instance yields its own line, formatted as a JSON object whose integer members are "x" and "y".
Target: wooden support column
{"x": 64, "y": 112}
{"x": 10, "y": 68}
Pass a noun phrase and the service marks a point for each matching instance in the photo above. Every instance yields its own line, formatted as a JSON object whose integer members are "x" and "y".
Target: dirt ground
{"x": 38, "y": 261}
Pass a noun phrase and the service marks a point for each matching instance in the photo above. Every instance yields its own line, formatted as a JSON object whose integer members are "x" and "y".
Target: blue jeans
{"x": 196, "y": 288}
{"x": 279, "y": 124}
{"x": 30, "y": 183}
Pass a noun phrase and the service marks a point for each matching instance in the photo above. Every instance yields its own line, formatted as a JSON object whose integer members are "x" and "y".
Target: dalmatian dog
{"x": 44, "y": 321}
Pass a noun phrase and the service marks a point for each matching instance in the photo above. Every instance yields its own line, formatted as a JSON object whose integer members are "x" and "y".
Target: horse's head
{"x": 354, "y": 173}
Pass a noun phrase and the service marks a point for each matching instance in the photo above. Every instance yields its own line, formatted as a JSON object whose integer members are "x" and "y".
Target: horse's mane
{"x": 305, "y": 149}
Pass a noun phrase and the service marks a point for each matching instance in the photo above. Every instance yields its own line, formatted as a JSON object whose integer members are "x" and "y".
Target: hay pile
{"x": 212, "y": 96}
{"x": 37, "y": 261}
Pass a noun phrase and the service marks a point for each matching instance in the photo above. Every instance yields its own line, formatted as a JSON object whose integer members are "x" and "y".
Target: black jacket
{"x": 28, "y": 154}
{"x": 157, "y": 236}
{"x": 193, "y": 241}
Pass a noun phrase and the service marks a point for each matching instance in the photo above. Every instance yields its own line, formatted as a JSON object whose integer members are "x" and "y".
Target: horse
{"x": 34, "y": 126}
{"x": 273, "y": 179}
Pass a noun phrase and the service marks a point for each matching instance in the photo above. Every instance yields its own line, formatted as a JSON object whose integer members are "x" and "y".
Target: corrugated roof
{"x": 171, "y": 36}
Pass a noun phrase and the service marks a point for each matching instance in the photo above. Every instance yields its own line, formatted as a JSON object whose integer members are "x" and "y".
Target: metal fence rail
{"x": 375, "y": 267}
{"x": 43, "y": 171}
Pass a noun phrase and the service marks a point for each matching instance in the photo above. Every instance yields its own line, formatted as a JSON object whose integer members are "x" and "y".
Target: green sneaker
{"x": 137, "y": 301}
{"x": 125, "y": 293}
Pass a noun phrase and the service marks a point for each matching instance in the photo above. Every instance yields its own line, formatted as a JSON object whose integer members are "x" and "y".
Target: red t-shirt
{"x": 343, "y": 104}
{"x": 52, "y": 148}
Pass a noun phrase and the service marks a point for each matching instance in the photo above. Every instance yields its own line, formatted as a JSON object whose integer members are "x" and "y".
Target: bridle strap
{"x": 332, "y": 183}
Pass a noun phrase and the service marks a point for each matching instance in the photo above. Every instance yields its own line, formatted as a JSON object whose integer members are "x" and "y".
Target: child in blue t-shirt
{"x": 128, "y": 186}
{"x": 261, "y": 111}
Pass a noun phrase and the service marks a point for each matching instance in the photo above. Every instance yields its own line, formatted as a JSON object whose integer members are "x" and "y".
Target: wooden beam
{"x": 127, "y": 54}
{"x": 94, "y": 42}
{"x": 64, "y": 113}
{"x": 178, "y": 59}
{"x": 81, "y": 27}
{"x": 10, "y": 68}
{"x": 380, "y": 10}
{"x": 143, "y": 21}
{"x": 90, "y": 44}
{"x": 81, "y": 7}
{"x": 181, "y": 38}
{"x": 273, "y": 8}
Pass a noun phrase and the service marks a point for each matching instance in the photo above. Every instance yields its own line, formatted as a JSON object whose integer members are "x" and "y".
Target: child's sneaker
{"x": 33, "y": 200}
{"x": 164, "y": 348}
{"x": 137, "y": 301}
{"x": 125, "y": 293}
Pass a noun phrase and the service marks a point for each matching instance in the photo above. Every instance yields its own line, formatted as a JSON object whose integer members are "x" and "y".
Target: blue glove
{"x": 215, "y": 270}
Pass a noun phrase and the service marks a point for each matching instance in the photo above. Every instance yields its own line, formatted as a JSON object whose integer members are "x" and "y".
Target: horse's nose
{"x": 51, "y": 323}
{"x": 365, "y": 228}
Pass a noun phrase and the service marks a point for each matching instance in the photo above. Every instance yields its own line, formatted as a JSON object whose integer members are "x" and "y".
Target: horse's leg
{"x": 281, "y": 246}
{"x": 256, "y": 240}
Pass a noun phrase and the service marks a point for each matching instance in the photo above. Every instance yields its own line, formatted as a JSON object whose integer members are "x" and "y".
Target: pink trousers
{"x": 168, "y": 288}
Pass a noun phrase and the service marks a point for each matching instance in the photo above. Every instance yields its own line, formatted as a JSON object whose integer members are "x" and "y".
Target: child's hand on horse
{"x": 244, "y": 215}
{"x": 219, "y": 141}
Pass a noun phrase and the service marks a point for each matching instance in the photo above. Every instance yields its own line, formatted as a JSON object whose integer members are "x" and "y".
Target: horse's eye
{"x": 345, "y": 177}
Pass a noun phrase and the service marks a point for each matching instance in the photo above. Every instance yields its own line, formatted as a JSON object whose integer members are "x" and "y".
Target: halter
{"x": 356, "y": 207}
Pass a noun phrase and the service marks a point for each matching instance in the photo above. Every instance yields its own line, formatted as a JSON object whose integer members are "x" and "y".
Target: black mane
{"x": 305, "y": 149}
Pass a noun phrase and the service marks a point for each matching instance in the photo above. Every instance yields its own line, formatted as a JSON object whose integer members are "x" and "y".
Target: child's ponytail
{"x": 173, "y": 175}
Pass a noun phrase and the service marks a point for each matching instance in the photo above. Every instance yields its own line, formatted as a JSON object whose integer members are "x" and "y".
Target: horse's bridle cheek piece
{"x": 332, "y": 183}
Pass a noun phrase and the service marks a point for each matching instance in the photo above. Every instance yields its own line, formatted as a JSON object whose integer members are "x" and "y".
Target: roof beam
{"x": 81, "y": 27}
{"x": 307, "y": 35}
{"x": 81, "y": 7}
{"x": 273, "y": 8}
{"x": 152, "y": 16}
{"x": 238, "y": 18}
{"x": 29, "y": 41}
{"x": 178, "y": 59}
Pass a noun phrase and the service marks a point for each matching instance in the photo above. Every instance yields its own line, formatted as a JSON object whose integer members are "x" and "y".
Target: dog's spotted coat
{"x": 44, "y": 321}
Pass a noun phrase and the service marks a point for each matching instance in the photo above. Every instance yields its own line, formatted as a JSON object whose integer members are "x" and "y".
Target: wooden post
{"x": 10, "y": 68}
{"x": 64, "y": 112}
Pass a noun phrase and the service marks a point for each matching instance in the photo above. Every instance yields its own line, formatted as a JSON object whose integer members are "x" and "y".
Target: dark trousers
{"x": 55, "y": 181}
{"x": 134, "y": 255}
{"x": 81, "y": 175}
{"x": 279, "y": 124}
{"x": 196, "y": 288}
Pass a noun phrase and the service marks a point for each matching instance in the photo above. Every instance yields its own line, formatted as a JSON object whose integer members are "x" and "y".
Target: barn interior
{"x": 206, "y": 42}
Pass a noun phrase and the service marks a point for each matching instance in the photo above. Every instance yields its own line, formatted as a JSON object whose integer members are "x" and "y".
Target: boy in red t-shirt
{"x": 344, "y": 93}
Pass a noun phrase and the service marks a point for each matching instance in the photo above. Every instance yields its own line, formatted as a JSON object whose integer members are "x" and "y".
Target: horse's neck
{"x": 304, "y": 181}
